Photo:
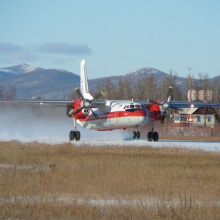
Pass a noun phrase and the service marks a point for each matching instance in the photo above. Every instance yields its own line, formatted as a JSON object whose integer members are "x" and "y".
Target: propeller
{"x": 87, "y": 103}
{"x": 164, "y": 105}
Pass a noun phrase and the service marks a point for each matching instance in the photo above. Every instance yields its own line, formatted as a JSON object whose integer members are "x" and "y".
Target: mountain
{"x": 46, "y": 83}
{"x": 58, "y": 84}
{"x": 134, "y": 76}
{"x": 18, "y": 69}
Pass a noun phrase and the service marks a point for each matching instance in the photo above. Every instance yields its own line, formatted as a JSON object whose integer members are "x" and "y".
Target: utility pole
{"x": 189, "y": 70}
{"x": 190, "y": 79}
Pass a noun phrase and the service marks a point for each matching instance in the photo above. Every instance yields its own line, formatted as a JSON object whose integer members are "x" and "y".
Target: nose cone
{"x": 142, "y": 117}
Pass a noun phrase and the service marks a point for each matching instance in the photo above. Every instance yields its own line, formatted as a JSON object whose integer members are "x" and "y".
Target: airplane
{"x": 107, "y": 115}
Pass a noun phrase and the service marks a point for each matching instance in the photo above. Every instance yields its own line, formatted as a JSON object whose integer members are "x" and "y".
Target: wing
{"x": 178, "y": 104}
{"x": 181, "y": 104}
{"x": 40, "y": 102}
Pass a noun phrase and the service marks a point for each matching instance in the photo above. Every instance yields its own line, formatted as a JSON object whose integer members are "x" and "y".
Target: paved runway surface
{"x": 205, "y": 145}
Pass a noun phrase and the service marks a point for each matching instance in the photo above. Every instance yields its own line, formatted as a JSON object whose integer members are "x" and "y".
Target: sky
{"x": 114, "y": 37}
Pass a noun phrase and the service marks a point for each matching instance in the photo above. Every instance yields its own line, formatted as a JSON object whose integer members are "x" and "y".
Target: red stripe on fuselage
{"x": 116, "y": 114}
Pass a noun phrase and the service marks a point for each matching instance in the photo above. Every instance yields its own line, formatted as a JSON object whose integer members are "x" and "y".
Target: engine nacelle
{"x": 163, "y": 109}
{"x": 69, "y": 112}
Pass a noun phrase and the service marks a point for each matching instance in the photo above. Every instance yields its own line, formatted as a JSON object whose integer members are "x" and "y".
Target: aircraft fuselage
{"x": 115, "y": 115}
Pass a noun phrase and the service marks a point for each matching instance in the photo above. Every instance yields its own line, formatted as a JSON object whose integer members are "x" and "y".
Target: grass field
{"x": 190, "y": 138}
{"x": 42, "y": 181}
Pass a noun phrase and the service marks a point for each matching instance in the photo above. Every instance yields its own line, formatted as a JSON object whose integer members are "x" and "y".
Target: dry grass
{"x": 41, "y": 181}
{"x": 190, "y": 138}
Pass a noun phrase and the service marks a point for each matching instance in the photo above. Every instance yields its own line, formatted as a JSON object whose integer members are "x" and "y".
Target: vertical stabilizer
{"x": 84, "y": 88}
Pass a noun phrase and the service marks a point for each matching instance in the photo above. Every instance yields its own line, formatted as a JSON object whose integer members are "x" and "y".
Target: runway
{"x": 193, "y": 145}
{"x": 203, "y": 145}
{"x": 27, "y": 125}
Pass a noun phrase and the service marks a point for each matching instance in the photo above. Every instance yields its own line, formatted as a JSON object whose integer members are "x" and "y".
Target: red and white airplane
{"x": 104, "y": 115}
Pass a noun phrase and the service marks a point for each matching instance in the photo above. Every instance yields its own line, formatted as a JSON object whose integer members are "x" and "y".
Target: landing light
{"x": 192, "y": 106}
{"x": 41, "y": 103}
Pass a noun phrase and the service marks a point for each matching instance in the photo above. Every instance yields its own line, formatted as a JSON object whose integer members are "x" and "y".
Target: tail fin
{"x": 84, "y": 88}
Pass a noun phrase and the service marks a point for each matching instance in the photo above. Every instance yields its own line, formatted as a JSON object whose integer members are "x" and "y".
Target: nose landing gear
{"x": 136, "y": 134}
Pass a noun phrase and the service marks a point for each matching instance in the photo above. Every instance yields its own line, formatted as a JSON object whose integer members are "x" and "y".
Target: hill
{"x": 58, "y": 84}
{"x": 46, "y": 83}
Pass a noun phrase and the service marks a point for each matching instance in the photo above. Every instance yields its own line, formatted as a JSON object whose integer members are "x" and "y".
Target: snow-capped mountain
{"x": 18, "y": 69}
{"x": 35, "y": 81}
{"x": 58, "y": 84}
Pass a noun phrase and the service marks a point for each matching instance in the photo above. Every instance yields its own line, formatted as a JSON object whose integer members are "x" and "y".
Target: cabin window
{"x": 131, "y": 106}
{"x": 137, "y": 106}
{"x": 176, "y": 118}
{"x": 209, "y": 118}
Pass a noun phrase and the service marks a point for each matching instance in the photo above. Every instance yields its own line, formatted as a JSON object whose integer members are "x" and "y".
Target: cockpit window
{"x": 137, "y": 106}
{"x": 132, "y": 106}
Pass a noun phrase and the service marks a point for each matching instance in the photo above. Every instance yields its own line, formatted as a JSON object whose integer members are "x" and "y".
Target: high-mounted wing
{"x": 178, "y": 104}
{"x": 40, "y": 102}
{"x": 181, "y": 104}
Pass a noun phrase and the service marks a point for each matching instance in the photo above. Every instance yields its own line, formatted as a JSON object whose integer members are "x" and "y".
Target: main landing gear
{"x": 152, "y": 135}
{"x": 74, "y": 135}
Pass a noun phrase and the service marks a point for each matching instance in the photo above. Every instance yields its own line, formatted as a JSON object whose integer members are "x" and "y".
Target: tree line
{"x": 7, "y": 93}
{"x": 148, "y": 88}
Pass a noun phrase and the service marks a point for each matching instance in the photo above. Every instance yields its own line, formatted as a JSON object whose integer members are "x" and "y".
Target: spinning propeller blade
{"x": 87, "y": 103}
{"x": 165, "y": 104}
{"x": 97, "y": 96}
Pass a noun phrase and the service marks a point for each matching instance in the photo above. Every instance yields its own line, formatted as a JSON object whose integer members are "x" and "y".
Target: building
{"x": 187, "y": 117}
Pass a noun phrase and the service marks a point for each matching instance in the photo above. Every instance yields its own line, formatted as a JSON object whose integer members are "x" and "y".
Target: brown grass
{"x": 41, "y": 181}
{"x": 189, "y": 138}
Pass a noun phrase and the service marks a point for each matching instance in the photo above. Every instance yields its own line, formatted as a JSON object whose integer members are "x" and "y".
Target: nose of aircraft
{"x": 142, "y": 117}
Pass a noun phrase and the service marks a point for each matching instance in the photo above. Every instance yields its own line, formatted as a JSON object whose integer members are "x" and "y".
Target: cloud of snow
{"x": 45, "y": 124}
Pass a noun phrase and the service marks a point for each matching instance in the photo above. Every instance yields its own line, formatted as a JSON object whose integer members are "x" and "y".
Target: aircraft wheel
{"x": 71, "y": 135}
{"x": 149, "y": 135}
{"x": 77, "y": 137}
{"x": 155, "y": 136}
{"x": 138, "y": 134}
{"x": 134, "y": 134}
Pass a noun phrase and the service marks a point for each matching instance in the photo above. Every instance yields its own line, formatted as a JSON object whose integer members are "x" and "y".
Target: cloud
{"x": 64, "y": 48}
{"x": 11, "y": 52}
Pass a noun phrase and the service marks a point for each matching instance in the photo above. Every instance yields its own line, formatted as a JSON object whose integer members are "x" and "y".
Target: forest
{"x": 147, "y": 87}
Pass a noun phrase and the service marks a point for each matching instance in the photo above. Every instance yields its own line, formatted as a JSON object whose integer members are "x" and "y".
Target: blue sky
{"x": 114, "y": 37}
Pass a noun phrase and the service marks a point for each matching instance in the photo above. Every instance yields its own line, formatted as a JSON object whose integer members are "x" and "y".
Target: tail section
{"x": 84, "y": 88}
